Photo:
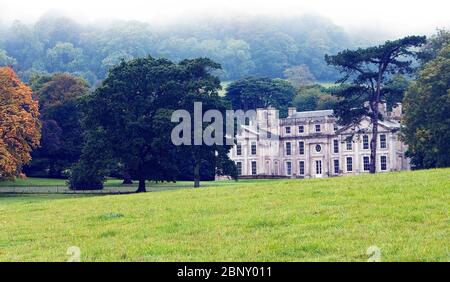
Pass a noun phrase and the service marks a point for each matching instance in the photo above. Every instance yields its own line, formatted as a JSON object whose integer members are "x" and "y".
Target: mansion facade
{"x": 311, "y": 144}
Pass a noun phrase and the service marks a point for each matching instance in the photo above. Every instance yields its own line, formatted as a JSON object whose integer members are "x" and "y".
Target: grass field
{"x": 51, "y": 182}
{"x": 33, "y": 182}
{"x": 404, "y": 214}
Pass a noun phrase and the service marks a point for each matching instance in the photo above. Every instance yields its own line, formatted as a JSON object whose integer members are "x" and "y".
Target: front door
{"x": 318, "y": 168}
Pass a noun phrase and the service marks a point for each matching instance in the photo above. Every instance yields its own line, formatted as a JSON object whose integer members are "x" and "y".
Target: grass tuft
{"x": 110, "y": 216}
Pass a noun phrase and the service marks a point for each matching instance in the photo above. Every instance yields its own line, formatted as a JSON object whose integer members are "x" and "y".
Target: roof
{"x": 311, "y": 114}
{"x": 389, "y": 123}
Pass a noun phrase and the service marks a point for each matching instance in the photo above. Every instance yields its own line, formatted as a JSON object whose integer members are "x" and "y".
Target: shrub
{"x": 83, "y": 177}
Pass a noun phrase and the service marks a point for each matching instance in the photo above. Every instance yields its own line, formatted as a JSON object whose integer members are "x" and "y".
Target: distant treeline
{"x": 257, "y": 46}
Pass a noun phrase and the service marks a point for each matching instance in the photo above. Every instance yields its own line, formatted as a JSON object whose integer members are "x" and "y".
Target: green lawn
{"x": 26, "y": 182}
{"x": 111, "y": 182}
{"x": 30, "y": 181}
{"x": 404, "y": 214}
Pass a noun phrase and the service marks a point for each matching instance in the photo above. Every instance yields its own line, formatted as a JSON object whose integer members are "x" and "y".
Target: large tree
{"x": 427, "y": 113}
{"x": 203, "y": 87}
{"x": 254, "y": 92}
{"x": 131, "y": 115}
{"x": 62, "y": 136}
{"x": 366, "y": 72}
{"x": 123, "y": 112}
{"x": 19, "y": 123}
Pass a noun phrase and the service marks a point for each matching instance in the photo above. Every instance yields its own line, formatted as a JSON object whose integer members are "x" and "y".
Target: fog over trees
{"x": 257, "y": 46}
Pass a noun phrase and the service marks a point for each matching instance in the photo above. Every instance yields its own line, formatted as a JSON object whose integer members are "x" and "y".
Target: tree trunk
{"x": 197, "y": 174}
{"x": 373, "y": 141}
{"x": 141, "y": 187}
{"x": 126, "y": 176}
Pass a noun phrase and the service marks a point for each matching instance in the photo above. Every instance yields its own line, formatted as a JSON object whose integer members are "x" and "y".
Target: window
{"x": 366, "y": 163}
{"x": 318, "y": 148}
{"x": 336, "y": 166}
{"x": 335, "y": 127}
{"x": 383, "y": 141}
{"x": 317, "y": 127}
{"x": 288, "y": 168}
{"x": 238, "y": 149}
{"x": 301, "y": 148}
{"x": 288, "y": 130}
{"x": 318, "y": 167}
{"x": 239, "y": 168}
{"x": 301, "y": 129}
{"x": 288, "y": 148}
{"x": 253, "y": 168}
{"x": 365, "y": 142}
{"x": 383, "y": 163}
{"x": 247, "y": 121}
{"x": 335, "y": 146}
{"x": 301, "y": 168}
{"x": 253, "y": 148}
{"x": 269, "y": 134}
{"x": 349, "y": 144}
{"x": 349, "y": 164}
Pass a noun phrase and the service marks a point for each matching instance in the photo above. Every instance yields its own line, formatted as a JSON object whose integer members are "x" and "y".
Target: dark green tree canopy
{"x": 313, "y": 97}
{"x": 254, "y": 92}
{"x": 427, "y": 113}
{"x": 62, "y": 136}
{"x": 203, "y": 87}
{"x": 130, "y": 114}
{"x": 124, "y": 110}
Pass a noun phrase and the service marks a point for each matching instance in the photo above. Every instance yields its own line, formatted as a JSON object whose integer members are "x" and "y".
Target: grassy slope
{"x": 405, "y": 214}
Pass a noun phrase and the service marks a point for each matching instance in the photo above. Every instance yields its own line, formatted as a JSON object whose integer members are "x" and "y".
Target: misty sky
{"x": 396, "y": 16}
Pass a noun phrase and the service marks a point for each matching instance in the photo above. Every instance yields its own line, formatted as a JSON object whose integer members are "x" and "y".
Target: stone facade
{"x": 310, "y": 144}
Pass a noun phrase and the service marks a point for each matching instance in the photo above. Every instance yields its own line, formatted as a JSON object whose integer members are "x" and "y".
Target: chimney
{"x": 291, "y": 111}
{"x": 397, "y": 111}
{"x": 382, "y": 108}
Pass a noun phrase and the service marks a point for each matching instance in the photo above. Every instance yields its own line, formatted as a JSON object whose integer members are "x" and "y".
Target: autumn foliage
{"x": 19, "y": 123}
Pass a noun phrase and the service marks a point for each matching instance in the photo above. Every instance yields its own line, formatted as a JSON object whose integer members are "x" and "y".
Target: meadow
{"x": 404, "y": 214}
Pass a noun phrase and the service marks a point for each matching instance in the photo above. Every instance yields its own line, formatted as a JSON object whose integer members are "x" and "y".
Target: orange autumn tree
{"x": 19, "y": 124}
